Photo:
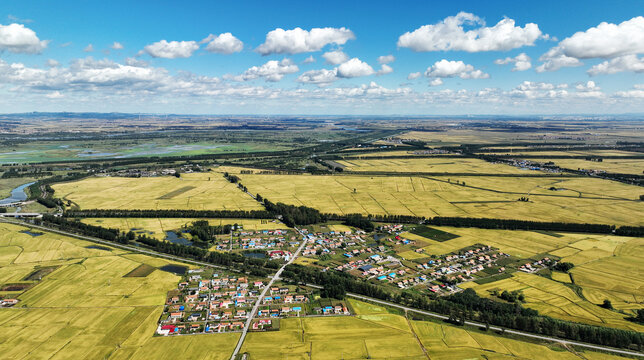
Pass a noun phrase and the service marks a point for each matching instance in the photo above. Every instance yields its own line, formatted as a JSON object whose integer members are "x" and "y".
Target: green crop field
{"x": 208, "y": 191}
{"x": 574, "y": 200}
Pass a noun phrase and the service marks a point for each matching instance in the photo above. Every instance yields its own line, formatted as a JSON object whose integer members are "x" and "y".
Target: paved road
{"x": 261, "y": 296}
{"x": 515, "y": 332}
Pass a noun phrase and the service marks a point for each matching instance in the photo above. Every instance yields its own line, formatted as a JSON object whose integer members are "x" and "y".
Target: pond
{"x": 17, "y": 194}
{"x": 172, "y": 237}
{"x": 255, "y": 255}
{"x": 175, "y": 269}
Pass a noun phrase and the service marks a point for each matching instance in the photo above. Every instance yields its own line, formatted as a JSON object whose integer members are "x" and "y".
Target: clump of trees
{"x": 563, "y": 266}
{"x": 203, "y": 231}
{"x": 232, "y": 178}
{"x": 292, "y": 215}
{"x": 357, "y": 220}
{"x": 511, "y": 296}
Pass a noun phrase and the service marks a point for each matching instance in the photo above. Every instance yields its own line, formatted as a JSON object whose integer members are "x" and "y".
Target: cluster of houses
{"x": 328, "y": 242}
{"x": 460, "y": 267}
{"x": 265, "y": 239}
{"x": 207, "y": 302}
{"x": 537, "y": 265}
{"x": 134, "y": 172}
{"x": 8, "y": 302}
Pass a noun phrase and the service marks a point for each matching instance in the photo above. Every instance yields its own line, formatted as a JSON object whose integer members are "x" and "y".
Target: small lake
{"x": 255, "y": 255}
{"x": 34, "y": 234}
{"x": 17, "y": 194}
{"x": 175, "y": 269}
{"x": 172, "y": 237}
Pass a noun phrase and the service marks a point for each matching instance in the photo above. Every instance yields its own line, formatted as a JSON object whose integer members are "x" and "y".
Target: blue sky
{"x": 561, "y": 57}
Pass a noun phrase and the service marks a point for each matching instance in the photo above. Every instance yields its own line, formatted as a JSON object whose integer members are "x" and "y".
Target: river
{"x": 17, "y": 194}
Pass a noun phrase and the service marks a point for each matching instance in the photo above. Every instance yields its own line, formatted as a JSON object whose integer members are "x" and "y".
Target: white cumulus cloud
{"x": 322, "y": 77}
{"x": 354, "y": 68}
{"x": 271, "y": 71}
{"x": 309, "y": 60}
{"x": 335, "y": 57}
{"x": 521, "y": 62}
{"x": 606, "y": 40}
{"x": 225, "y": 43}
{"x": 447, "y": 69}
{"x": 414, "y": 75}
{"x": 171, "y": 49}
{"x": 618, "y": 64}
{"x": 54, "y": 95}
{"x": 386, "y": 59}
{"x": 385, "y": 69}
{"x": 450, "y": 34}
{"x": 89, "y": 48}
{"x": 280, "y": 41}
{"x": 17, "y": 38}
{"x": 117, "y": 46}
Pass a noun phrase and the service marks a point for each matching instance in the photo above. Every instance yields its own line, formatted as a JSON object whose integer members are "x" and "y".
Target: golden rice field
{"x": 519, "y": 150}
{"x": 156, "y": 227}
{"x": 518, "y": 243}
{"x": 86, "y": 309}
{"x": 195, "y": 191}
{"x": 461, "y": 136}
{"x": 606, "y": 267}
{"x": 620, "y": 166}
{"x": 481, "y": 136}
{"x": 433, "y": 165}
{"x": 575, "y": 200}
{"x": 555, "y": 299}
{"x": 375, "y": 333}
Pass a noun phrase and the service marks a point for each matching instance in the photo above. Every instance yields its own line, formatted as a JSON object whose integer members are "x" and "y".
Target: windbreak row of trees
{"x": 505, "y": 224}
{"x": 171, "y": 213}
{"x": 359, "y": 221}
{"x": 467, "y": 305}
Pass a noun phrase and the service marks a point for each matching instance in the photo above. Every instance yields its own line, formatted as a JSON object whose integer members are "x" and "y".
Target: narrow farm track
{"x": 261, "y": 296}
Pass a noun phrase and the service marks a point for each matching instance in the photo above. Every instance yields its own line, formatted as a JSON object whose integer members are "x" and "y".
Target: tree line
{"x": 467, "y": 305}
{"x": 507, "y": 224}
{"x": 170, "y": 213}
{"x": 253, "y": 266}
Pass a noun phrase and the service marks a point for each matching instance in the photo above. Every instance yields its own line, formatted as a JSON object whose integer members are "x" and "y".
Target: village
{"x": 210, "y": 301}
{"x": 377, "y": 261}
{"x": 281, "y": 240}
